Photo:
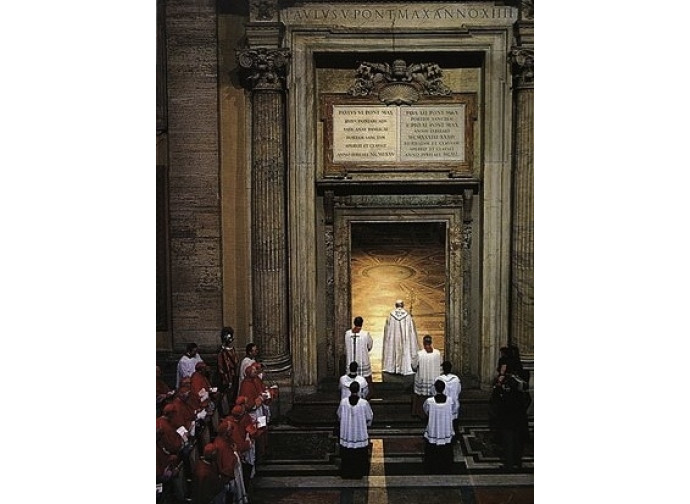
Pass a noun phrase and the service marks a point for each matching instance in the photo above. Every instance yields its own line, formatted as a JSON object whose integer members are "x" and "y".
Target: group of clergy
{"x": 436, "y": 392}
{"x": 212, "y": 434}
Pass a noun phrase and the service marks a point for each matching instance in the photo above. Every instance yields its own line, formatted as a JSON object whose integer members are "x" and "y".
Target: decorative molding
{"x": 399, "y": 83}
{"x": 467, "y": 218}
{"x": 394, "y": 200}
{"x": 267, "y": 67}
{"x": 467, "y": 235}
{"x": 522, "y": 60}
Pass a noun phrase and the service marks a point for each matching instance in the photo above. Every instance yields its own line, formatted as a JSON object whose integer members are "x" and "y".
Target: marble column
{"x": 266, "y": 79}
{"x": 522, "y": 246}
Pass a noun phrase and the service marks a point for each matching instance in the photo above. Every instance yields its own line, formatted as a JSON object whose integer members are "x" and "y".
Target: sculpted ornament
{"x": 523, "y": 65}
{"x": 263, "y": 9}
{"x": 267, "y": 67}
{"x": 399, "y": 83}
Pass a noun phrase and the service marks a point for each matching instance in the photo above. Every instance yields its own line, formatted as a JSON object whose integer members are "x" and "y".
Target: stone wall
{"x": 195, "y": 245}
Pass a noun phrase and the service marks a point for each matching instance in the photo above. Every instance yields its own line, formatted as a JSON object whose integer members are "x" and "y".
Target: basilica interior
{"x": 319, "y": 160}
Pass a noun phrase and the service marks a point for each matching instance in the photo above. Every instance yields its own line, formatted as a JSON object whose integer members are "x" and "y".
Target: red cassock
{"x": 168, "y": 444}
{"x": 225, "y": 458}
{"x": 252, "y": 388}
{"x": 239, "y": 433}
{"x": 206, "y": 483}
{"x": 184, "y": 414}
{"x": 199, "y": 382}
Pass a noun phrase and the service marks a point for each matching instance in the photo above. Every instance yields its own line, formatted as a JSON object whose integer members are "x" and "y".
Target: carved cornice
{"x": 522, "y": 60}
{"x": 398, "y": 83}
{"x": 266, "y": 68}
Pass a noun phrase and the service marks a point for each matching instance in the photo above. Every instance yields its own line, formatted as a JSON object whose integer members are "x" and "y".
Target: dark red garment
{"x": 184, "y": 414}
{"x": 199, "y": 382}
{"x": 225, "y": 458}
{"x": 239, "y": 433}
{"x": 206, "y": 483}
{"x": 252, "y": 388}
{"x": 168, "y": 444}
{"x": 161, "y": 387}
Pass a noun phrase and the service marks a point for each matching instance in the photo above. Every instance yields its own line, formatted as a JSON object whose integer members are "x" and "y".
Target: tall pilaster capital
{"x": 266, "y": 68}
{"x": 522, "y": 61}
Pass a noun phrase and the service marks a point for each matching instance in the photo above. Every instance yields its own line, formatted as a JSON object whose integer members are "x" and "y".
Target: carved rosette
{"x": 266, "y": 68}
{"x": 522, "y": 60}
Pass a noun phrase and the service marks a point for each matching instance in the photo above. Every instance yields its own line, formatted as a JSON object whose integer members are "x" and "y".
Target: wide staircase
{"x": 303, "y": 443}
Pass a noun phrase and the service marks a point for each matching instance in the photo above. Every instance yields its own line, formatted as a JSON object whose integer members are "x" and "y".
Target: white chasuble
{"x": 400, "y": 343}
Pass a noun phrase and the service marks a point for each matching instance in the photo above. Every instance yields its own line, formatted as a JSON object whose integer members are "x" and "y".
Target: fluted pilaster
{"x": 266, "y": 79}
{"x": 522, "y": 246}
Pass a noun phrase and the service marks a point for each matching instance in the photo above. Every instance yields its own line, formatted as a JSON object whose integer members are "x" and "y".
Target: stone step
{"x": 391, "y": 408}
{"x": 314, "y": 452}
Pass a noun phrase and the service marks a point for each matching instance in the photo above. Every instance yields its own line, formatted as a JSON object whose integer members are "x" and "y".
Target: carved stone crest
{"x": 399, "y": 83}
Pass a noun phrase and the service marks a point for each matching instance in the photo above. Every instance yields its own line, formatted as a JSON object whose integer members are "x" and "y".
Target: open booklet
{"x": 261, "y": 421}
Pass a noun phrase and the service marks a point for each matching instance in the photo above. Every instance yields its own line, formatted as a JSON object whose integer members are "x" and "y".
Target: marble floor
{"x": 395, "y": 477}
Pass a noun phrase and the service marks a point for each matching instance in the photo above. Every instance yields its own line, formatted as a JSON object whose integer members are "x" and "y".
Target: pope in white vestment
{"x": 400, "y": 342}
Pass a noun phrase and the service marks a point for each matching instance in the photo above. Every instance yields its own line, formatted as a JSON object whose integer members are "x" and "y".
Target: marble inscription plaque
{"x": 432, "y": 133}
{"x": 380, "y": 134}
{"x": 364, "y": 133}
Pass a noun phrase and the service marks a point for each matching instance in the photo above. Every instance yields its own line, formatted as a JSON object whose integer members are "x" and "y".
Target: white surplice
{"x": 354, "y": 421}
{"x": 357, "y": 348}
{"x": 400, "y": 344}
{"x": 439, "y": 429}
{"x": 344, "y": 385}
{"x": 429, "y": 367}
{"x": 452, "y": 390}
